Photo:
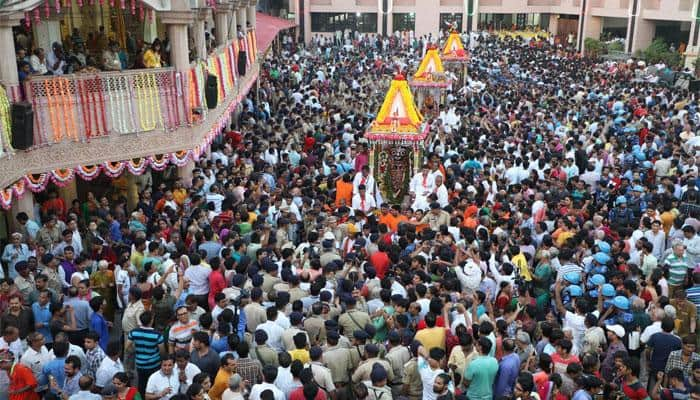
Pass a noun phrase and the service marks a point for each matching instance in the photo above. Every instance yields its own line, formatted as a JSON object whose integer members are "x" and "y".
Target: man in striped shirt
{"x": 677, "y": 268}
{"x": 693, "y": 293}
{"x": 148, "y": 344}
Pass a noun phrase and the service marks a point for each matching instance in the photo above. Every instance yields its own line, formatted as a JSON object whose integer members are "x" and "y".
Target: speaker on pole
{"x": 242, "y": 62}
{"x": 211, "y": 91}
{"x": 22, "y": 125}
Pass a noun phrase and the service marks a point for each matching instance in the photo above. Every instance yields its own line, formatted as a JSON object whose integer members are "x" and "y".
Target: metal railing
{"x": 83, "y": 106}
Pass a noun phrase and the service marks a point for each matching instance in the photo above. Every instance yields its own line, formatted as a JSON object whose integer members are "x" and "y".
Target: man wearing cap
{"x": 337, "y": 359}
{"x": 353, "y": 319}
{"x": 262, "y": 352}
{"x": 363, "y": 371}
{"x": 254, "y": 311}
{"x": 615, "y": 333}
{"x": 322, "y": 375}
{"x": 297, "y": 326}
{"x": 315, "y": 326}
{"x": 397, "y": 356}
{"x": 377, "y": 384}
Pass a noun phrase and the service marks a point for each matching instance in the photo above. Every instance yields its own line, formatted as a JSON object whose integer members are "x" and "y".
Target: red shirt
{"x": 298, "y": 394}
{"x": 380, "y": 260}
{"x": 21, "y": 377}
{"x": 217, "y": 283}
{"x": 439, "y": 321}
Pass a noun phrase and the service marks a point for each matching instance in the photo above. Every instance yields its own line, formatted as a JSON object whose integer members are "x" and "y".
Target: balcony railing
{"x": 80, "y": 107}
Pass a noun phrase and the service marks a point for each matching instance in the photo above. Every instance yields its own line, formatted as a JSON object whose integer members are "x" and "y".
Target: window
{"x": 451, "y": 19}
{"x": 331, "y": 22}
{"x": 404, "y": 22}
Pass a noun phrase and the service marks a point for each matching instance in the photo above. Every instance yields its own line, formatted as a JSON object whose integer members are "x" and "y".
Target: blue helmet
{"x": 621, "y": 302}
{"x": 608, "y": 290}
{"x": 575, "y": 291}
{"x": 604, "y": 247}
{"x": 572, "y": 277}
{"x": 621, "y": 200}
{"x": 601, "y": 258}
{"x": 597, "y": 280}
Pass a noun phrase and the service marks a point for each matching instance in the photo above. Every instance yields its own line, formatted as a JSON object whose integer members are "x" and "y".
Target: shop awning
{"x": 267, "y": 27}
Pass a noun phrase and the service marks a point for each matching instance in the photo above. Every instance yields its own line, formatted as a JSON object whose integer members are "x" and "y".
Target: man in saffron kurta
{"x": 343, "y": 190}
{"x": 228, "y": 366}
{"x": 22, "y": 380}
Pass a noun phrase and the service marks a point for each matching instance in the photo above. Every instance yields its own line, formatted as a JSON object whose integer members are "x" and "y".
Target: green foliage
{"x": 594, "y": 47}
{"x": 616, "y": 46}
{"x": 658, "y": 51}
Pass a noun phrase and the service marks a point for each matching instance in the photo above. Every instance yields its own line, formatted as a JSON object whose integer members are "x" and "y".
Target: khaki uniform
{"x": 411, "y": 377}
{"x": 255, "y": 315}
{"x": 322, "y": 376}
{"x": 378, "y": 393}
{"x": 356, "y": 354}
{"x": 339, "y": 362}
{"x": 288, "y": 338}
{"x": 362, "y": 372}
{"x": 353, "y": 320}
{"x": 266, "y": 355}
{"x": 316, "y": 329}
{"x": 296, "y": 293}
{"x": 398, "y": 357}
{"x": 269, "y": 283}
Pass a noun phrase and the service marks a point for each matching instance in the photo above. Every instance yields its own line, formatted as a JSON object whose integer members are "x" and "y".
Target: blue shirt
{"x": 7, "y": 256}
{"x": 508, "y": 370}
{"x": 146, "y": 341}
{"x": 81, "y": 310}
{"x": 115, "y": 231}
{"x": 99, "y": 325}
{"x": 53, "y": 368}
{"x": 42, "y": 315}
{"x": 242, "y": 321}
{"x": 220, "y": 345}
{"x": 212, "y": 249}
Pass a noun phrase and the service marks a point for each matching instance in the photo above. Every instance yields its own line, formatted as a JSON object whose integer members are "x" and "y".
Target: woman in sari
{"x": 124, "y": 391}
{"x": 102, "y": 282}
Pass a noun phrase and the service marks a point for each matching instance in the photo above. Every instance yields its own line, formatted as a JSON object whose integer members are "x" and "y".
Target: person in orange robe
{"x": 343, "y": 191}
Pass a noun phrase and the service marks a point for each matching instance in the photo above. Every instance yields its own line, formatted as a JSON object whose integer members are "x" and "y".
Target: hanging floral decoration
{"x": 61, "y": 177}
{"x": 36, "y": 182}
{"x": 159, "y": 162}
{"x": 88, "y": 172}
{"x": 137, "y": 166}
{"x": 181, "y": 158}
{"x": 113, "y": 168}
{"x": 19, "y": 187}
{"x": 6, "y": 198}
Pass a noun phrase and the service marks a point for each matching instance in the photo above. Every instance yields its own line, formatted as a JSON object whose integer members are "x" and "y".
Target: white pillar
{"x": 251, "y": 15}
{"x": 232, "y": 31}
{"x": 221, "y": 21}
{"x": 23, "y": 204}
{"x": 198, "y": 28}
{"x": 177, "y": 23}
{"x": 243, "y": 19}
{"x": 8, "y": 62}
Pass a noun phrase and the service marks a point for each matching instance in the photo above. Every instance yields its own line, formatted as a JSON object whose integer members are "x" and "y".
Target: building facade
{"x": 638, "y": 22}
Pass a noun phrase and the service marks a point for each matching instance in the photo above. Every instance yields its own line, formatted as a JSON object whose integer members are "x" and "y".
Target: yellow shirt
{"x": 137, "y": 260}
{"x": 432, "y": 337}
{"x": 520, "y": 262}
{"x": 301, "y": 355}
{"x": 151, "y": 59}
{"x": 220, "y": 384}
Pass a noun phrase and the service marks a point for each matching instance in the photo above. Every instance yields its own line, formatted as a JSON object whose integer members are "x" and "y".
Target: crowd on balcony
{"x": 548, "y": 249}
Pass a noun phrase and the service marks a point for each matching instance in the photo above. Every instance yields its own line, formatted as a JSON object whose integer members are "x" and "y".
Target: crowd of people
{"x": 548, "y": 248}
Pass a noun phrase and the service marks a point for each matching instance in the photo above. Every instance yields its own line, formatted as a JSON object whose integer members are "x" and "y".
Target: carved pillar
{"x": 177, "y": 22}
{"x": 200, "y": 45}
{"x": 221, "y": 20}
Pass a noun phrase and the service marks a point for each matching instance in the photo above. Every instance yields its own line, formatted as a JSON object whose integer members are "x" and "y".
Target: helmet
{"x": 575, "y": 291}
{"x": 597, "y": 280}
{"x": 608, "y": 290}
{"x": 604, "y": 247}
{"x": 572, "y": 277}
{"x": 601, "y": 258}
{"x": 621, "y": 200}
{"x": 621, "y": 302}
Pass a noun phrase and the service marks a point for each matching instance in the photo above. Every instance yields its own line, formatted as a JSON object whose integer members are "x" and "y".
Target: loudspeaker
{"x": 22, "y": 125}
{"x": 242, "y": 62}
{"x": 211, "y": 91}
{"x": 694, "y": 84}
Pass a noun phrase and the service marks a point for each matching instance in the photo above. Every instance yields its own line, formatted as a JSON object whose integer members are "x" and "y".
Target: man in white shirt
{"x": 364, "y": 178}
{"x": 422, "y": 184}
{"x": 184, "y": 369}
{"x": 363, "y": 201}
{"x": 322, "y": 375}
{"x": 273, "y": 329}
{"x": 440, "y": 191}
{"x": 198, "y": 275}
{"x": 36, "y": 355}
{"x": 10, "y": 341}
{"x": 110, "y": 365}
{"x": 269, "y": 376}
{"x": 164, "y": 384}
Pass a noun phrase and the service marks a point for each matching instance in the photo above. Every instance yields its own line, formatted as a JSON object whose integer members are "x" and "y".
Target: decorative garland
{"x": 19, "y": 188}
{"x": 113, "y": 168}
{"x": 148, "y": 101}
{"x": 137, "y": 167}
{"x": 5, "y": 122}
{"x": 6, "y": 198}
{"x": 61, "y": 177}
{"x": 159, "y": 162}
{"x": 36, "y": 182}
{"x": 181, "y": 158}
{"x": 88, "y": 172}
